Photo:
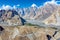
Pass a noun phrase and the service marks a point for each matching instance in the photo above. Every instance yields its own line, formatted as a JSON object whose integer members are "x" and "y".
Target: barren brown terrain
{"x": 28, "y": 33}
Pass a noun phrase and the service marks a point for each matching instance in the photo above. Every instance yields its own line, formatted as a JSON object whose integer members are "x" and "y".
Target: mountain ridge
{"x": 43, "y": 14}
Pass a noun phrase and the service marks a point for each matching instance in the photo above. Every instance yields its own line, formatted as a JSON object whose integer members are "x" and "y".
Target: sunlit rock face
{"x": 29, "y": 33}
{"x": 10, "y": 17}
{"x": 51, "y": 19}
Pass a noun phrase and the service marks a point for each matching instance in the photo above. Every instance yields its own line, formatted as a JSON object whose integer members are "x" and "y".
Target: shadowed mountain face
{"x": 1, "y": 28}
{"x": 10, "y": 17}
{"x": 2, "y": 12}
{"x": 14, "y": 12}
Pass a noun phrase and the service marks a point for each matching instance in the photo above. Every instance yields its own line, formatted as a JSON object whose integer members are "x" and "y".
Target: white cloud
{"x": 33, "y": 5}
{"x": 14, "y": 7}
{"x": 18, "y": 5}
{"x": 6, "y": 7}
{"x": 51, "y": 2}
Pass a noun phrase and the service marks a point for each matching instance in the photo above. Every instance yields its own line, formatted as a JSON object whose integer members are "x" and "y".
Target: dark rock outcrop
{"x": 1, "y": 28}
{"x": 11, "y": 17}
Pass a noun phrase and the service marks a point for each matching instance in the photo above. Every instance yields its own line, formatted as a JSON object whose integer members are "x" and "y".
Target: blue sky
{"x": 23, "y": 3}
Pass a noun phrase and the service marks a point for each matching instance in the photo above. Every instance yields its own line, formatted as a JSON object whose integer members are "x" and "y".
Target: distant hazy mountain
{"x": 48, "y": 13}
{"x": 38, "y": 13}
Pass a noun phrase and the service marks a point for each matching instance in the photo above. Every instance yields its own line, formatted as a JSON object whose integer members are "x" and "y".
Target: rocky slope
{"x": 10, "y": 17}
{"x": 29, "y": 33}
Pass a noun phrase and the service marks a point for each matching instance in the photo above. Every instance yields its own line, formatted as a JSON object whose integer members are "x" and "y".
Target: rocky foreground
{"x": 29, "y": 33}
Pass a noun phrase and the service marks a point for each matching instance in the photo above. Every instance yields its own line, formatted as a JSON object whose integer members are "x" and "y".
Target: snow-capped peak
{"x": 33, "y": 5}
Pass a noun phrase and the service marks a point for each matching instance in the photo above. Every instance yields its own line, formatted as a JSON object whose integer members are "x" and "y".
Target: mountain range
{"x": 49, "y": 13}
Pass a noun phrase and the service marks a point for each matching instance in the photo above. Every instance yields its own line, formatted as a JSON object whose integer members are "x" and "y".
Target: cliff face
{"x": 28, "y": 33}
{"x": 10, "y": 17}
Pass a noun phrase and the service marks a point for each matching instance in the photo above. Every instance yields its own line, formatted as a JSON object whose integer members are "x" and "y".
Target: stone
{"x": 1, "y": 28}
